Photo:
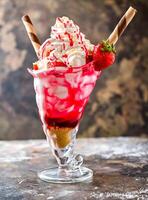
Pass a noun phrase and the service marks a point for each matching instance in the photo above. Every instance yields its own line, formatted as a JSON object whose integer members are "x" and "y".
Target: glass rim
{"x": 58, "y": 70}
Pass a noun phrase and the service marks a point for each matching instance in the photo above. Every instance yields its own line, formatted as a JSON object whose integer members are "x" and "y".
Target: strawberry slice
{"x": 35, "y": 66}
{"x": 103, "y": 55}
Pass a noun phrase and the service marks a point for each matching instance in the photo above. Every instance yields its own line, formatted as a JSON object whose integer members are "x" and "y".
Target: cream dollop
{"x": 66, "y": 44}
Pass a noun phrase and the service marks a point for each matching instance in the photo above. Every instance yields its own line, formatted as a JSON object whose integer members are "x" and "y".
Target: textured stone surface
{"x": 119, "y": 103}
{"x": 119, "y": 164}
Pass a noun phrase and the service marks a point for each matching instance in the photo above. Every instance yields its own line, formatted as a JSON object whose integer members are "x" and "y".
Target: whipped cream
{"x": 66, "y": 45}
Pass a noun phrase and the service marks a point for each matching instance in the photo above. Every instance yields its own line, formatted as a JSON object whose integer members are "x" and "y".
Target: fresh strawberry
{"x": 103, "y": 55}
{"x": 35, "y": 66}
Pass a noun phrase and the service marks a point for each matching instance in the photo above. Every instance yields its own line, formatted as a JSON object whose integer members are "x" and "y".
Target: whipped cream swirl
{"x": 66, "y": 45}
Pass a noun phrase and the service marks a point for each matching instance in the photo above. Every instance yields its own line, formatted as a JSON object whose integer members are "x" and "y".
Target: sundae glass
{"x": 61, "y": 96}
{"x": 64, "y": 77}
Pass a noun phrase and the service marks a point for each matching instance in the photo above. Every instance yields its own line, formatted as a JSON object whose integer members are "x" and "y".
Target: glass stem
{"x": 65, "y": 157}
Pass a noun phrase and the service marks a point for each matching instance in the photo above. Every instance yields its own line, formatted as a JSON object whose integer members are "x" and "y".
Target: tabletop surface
{"x": 120, "y": 168}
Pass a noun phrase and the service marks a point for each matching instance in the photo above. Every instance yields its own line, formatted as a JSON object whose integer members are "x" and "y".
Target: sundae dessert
{"x": 65, "y": 74}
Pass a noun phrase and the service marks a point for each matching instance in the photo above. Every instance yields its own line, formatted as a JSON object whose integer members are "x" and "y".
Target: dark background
{"x": 118, "y": 104}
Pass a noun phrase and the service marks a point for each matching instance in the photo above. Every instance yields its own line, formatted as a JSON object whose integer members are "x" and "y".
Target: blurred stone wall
{"x": 119, "y": 103}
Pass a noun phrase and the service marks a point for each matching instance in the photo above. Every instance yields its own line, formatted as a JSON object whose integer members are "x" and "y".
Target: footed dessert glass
{"x": 61, "y": 95}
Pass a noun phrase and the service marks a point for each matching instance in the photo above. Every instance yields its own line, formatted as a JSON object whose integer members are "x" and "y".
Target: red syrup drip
{"x": 64, "y": 46}
{"x": 43, "y": 47}
{"x": 62, "y": 22}
{"x": 59, "y": 37}
{"x": 70, "y": 39}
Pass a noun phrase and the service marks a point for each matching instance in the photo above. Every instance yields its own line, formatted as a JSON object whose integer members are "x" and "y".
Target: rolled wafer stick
{"x": 121, "y": 26}
{"x": 31, "y": 33}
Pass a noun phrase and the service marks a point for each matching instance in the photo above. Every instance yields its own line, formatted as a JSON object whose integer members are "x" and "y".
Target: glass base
{"x": 57, "y": 175}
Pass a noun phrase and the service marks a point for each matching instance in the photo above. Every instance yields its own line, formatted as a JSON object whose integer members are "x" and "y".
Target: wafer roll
{"x": 31, "y": 33}
{"x": 121, "y": 26}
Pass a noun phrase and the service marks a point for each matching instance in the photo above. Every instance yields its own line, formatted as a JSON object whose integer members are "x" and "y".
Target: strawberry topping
{"x": 35, "y": 66}
{"x": 57, "y": 64}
